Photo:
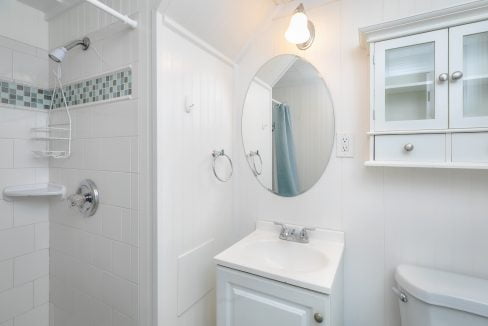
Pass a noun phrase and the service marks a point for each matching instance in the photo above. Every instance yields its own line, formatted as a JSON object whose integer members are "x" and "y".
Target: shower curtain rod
{"x": 132, "y": 23}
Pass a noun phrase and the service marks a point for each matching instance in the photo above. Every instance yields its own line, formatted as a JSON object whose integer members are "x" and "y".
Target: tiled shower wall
{"x": 24, "y": 226}
{"x": 94, "y": 261}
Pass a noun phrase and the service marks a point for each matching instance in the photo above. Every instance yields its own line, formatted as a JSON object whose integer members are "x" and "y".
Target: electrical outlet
{"x": 345, "y": 145}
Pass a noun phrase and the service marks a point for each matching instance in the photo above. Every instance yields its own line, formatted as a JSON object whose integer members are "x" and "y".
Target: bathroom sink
{"x": 310, "y": 265}
{"x": 286, "y": 255}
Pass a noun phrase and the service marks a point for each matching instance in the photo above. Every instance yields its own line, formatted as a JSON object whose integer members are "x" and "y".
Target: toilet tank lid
{"x": 445, "y": 289}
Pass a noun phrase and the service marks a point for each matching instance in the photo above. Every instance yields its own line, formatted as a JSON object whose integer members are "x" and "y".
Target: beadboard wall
{"x": 24, "y": 224}
{"x": 429, "y": 217}
{"x": 194, "y": 208}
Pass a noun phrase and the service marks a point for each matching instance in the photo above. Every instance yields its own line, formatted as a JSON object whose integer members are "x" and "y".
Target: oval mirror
{"x": 288, "y": 125}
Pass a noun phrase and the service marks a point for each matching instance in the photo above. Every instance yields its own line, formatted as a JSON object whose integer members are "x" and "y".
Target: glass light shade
{"x": 298, "y": 31}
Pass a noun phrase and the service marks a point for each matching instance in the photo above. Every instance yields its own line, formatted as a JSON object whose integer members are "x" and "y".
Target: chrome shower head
{"x": 57, "y": 55}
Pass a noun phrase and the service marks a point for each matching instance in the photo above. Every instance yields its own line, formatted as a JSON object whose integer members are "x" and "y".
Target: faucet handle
{"x": 304, "y": 233}
{"x": 284, "y": 229}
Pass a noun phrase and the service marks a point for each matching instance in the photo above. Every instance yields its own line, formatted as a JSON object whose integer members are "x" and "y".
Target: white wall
{"x": 23, "y": 24}
{"x": 24, "y": 223}
{"x": 95, "y": 262}
{"x": 390, "y": 215}
{"x": 194, "y": 209}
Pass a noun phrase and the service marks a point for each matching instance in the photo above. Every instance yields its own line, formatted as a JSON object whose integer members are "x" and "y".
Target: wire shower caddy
{"x": 57, "y": 135}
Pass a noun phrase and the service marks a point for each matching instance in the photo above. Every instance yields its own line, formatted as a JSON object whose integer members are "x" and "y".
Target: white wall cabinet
{"x": 429, "y": 90}
{"x": 244, "y": 299}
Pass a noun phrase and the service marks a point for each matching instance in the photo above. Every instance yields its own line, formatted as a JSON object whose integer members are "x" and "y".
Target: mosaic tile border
{"x": 23, "y": 95}
{"x": 101, "y": 88}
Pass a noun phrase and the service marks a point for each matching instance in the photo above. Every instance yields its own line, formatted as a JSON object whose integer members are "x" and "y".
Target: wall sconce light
{"x": 301, "y": 30}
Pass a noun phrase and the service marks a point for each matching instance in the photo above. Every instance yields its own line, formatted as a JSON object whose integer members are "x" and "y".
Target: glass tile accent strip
{"x": 105, "y": 87}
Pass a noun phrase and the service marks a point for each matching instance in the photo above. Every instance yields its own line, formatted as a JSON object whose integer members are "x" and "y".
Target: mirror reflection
{"x": 288, "y": 125}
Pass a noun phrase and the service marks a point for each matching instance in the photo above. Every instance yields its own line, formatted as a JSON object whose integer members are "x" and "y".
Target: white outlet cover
{"x": 345, "y": 145}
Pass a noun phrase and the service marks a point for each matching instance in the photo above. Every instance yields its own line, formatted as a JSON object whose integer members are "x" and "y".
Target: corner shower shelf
{"x": 36, "y": 190}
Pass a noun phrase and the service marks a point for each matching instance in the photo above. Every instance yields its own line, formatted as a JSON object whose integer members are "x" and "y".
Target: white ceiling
{"x": 227, "y": 25}
{"x": 50, "y": 7}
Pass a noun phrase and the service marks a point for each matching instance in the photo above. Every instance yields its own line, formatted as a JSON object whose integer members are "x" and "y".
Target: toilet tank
{"x": 429, "y": 297}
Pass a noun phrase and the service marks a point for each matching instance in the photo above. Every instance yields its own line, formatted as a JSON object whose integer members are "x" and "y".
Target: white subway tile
{"x": 23, "y": 156}
{"x": 42, "y": 175}
{"x": 42, "y": 235}
{"x": 119, "y": 294}
{"x": 5, "y": 63}
{"x": 15, "y": 123}
{"x": 6, "y": 274}
{"x": 62, "y": 294}
{"x": 7, "y": 150}
{"x": 102, "y": 253}
{"x": 30, "y": 69}
{"x": 17, "y": 46}
{"x": 111, "y": 217}
{"x": 119, "y": 50}
{"x": 16, "y": 301}
{"x": 29, "y": 267}
{"x": 15, "y": 177}
{"x": 122, "y": 262}
{"x": 120, "y": 319}
{"x": 38, "y": 316}
{"x": 115, "y": 119}
{"x": 130, "y": 227}
{"x": 16, "y": 241}
{"x": 6, "y": 214}
{"x": 84, "y": 247}
{"x": 33, "y": 210}
{"x": 41, "y": 291}
{"x": 63, "y": 238}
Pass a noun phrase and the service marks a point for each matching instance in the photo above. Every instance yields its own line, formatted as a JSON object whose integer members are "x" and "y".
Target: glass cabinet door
{"x": 411, "y": 82}
{"x": 468, "y": 96}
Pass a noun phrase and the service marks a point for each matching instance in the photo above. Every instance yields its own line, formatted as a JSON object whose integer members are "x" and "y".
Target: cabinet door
{"x": 247, "y": 300}
{"x": 409, "y": 91}
{"x": 468, "y": 67}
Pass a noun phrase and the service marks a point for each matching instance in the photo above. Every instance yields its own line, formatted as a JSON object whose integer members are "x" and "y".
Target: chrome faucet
{"x": 292, "y": 234}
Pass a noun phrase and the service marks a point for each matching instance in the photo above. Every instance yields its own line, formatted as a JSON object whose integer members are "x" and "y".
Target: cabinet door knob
{"x": 443, "y": 77}
{"x": 318, "y": 317}
{"x": 457, "y": 75}
{"x": 408, "y": 147}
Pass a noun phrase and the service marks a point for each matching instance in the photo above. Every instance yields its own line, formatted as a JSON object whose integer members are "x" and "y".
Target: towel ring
{"x": 252, "y": 155}
{"x": 216, "y": 155}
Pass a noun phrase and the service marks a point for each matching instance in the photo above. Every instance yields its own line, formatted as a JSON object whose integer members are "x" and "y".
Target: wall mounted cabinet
{"x": 429, "y": 89}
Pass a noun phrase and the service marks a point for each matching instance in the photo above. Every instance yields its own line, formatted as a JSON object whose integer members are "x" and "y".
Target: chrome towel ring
{"x": 252, "y": 157}
{"x": 216, "y": 155}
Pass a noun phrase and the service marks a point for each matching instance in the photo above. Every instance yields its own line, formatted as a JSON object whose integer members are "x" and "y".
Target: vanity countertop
{"x": 312, "y": 266}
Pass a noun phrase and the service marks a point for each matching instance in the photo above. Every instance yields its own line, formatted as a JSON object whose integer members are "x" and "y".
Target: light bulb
{"x": 298, "y": 32}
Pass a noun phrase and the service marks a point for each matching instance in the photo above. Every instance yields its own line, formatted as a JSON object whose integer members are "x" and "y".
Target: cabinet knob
{"x": 443, "y": 77}
{"x": 457, "y": 75}
{"x": 408, "y": 147}
{"x": 318, "y": 317}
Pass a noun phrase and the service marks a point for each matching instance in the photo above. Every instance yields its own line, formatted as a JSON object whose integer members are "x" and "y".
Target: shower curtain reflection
{"x": 285, "y": 176}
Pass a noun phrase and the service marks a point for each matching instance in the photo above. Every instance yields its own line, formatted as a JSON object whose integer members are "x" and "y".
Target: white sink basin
{"x": 312, "y": 266}
{"x": 286, "y": 255}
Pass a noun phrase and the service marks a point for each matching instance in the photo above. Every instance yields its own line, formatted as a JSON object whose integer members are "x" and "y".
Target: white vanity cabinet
{"x": 244, "y": 299}
{"x": 429, "y": 89}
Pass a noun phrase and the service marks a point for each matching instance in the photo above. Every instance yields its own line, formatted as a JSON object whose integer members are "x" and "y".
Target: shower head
{"x": 57, "y": 55}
